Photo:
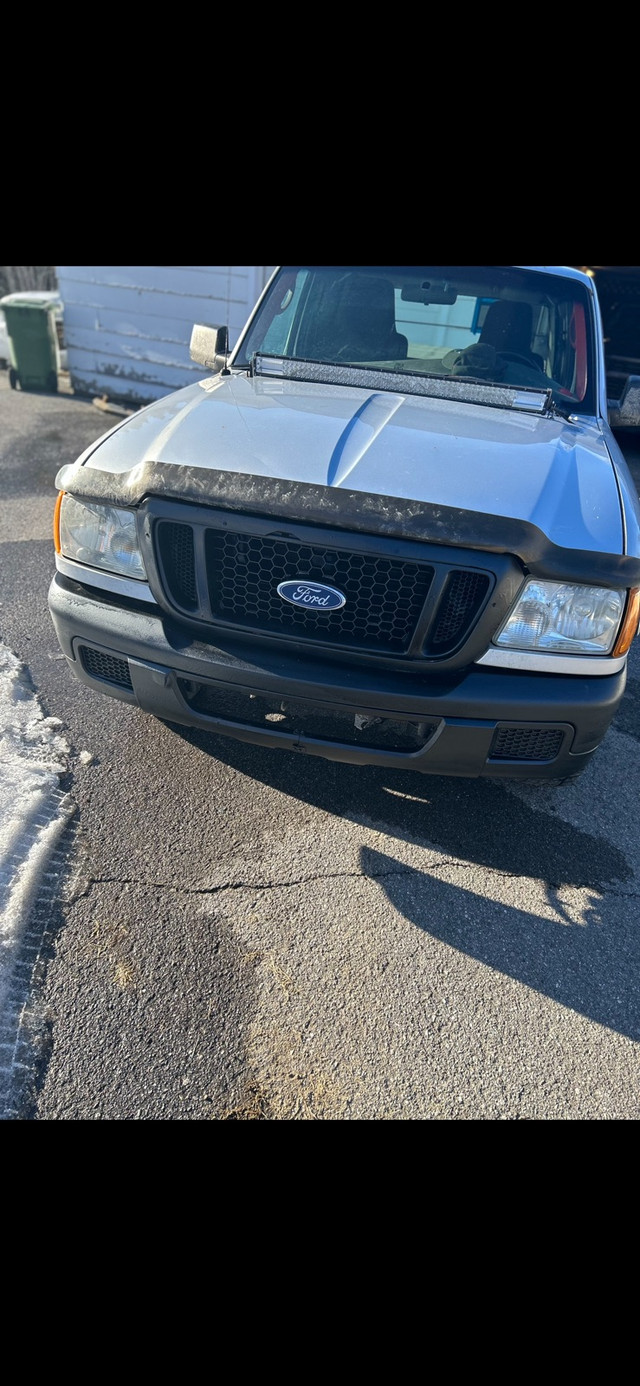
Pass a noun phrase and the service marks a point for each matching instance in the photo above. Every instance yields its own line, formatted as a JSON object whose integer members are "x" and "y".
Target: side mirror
{"x": 209, "y": 346}
{"x": 626, "y": 413}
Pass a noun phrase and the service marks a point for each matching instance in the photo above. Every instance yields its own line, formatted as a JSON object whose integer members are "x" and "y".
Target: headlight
{"x": 562, "y": 616}
{"x": 101, "y": 536}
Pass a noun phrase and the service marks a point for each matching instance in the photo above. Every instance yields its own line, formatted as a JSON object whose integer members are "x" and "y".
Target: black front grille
{"x": 526, "y": 743}
{"x": 218, "y": 572}
{"x": 175, "y": 549}
{"x": 463, "y": 596}
{"x": 105, "y": 667}
{"x": 384, "y": 596}
{"x": 296, "y": 718}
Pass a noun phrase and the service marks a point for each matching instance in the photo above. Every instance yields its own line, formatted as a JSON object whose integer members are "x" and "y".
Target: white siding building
{"x": 127, "y": 327}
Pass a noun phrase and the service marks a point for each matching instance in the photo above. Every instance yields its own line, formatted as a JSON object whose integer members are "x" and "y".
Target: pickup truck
{"x": 392, "y": 526}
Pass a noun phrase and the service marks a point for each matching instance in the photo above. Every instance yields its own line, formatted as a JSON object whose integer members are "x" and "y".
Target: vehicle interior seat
{"x": 364, "y": 325}
{"x": 508, "y": 327}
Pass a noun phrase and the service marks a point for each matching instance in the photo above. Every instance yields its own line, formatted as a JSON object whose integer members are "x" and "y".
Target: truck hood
{"x": 249, "y": 437}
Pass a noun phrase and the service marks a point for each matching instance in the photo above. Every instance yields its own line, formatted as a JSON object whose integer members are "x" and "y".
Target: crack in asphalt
{"x": 233, "y": 885}
{"x": 311, "y": 880}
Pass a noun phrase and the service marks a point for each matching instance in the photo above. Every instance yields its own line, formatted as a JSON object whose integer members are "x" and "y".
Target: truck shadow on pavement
{"x": 590, "y": 963}
{"x": 473, "y": 819}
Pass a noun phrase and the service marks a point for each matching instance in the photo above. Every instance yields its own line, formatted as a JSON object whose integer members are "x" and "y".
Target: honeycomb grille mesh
{"x": 105, "y": 667}
{"x": 526, "y": 743}
{"x": 384, "y": 596}
{"x": 175, "y": 546}
{"x": 463, "y": 595}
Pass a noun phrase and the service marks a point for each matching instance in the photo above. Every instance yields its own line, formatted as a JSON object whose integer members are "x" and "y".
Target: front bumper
{"x": 479, "y": 721}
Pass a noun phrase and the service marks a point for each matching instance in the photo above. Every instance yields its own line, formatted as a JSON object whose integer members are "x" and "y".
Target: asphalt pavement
{"x": 242, "y": 934}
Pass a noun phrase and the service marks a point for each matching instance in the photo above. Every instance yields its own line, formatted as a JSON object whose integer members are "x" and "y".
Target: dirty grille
{"x": 384, "y": 596}
{"x": 105, "y": 667}
{"x": 526, "y": 743}
{"x": 463, "y": 596}
{"x": 175, "y": 548}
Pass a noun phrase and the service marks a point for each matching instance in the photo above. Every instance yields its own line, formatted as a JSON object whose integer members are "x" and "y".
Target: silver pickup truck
{"x": 391, "y": 527}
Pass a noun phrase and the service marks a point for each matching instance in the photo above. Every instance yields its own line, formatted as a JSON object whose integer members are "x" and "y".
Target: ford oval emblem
{"x": 311, "y": 596}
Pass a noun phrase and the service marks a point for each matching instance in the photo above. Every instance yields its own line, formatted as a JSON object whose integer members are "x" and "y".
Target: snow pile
{"x": 33, "y": 808}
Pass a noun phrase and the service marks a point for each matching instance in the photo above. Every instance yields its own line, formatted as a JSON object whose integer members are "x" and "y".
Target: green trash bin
{"x": 33, "y": 339}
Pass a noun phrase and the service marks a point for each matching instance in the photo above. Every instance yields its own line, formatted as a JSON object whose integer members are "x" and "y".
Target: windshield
{"x": 494, "y": 324}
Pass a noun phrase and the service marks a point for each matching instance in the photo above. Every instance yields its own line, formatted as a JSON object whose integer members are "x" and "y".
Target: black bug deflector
{"x": 360, "y": 511}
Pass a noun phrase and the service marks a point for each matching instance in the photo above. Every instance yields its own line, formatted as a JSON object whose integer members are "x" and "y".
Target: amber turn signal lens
{"x": 56, "y": 522}
{"x": 629, "y": 627}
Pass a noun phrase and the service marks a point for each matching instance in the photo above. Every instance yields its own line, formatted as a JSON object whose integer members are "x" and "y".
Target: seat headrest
{"x": 366, "y": 291}
{"x": 507, "y": 326}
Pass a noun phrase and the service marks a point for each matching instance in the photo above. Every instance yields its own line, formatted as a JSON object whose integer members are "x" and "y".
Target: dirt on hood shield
{"x": 359, "y": 511}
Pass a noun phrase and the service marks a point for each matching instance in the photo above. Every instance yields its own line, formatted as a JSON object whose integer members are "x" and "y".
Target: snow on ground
{"x": 33, "y": 808}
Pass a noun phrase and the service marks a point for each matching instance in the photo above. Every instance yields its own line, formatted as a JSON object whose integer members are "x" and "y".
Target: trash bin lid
{"x": 32, "y": 298}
